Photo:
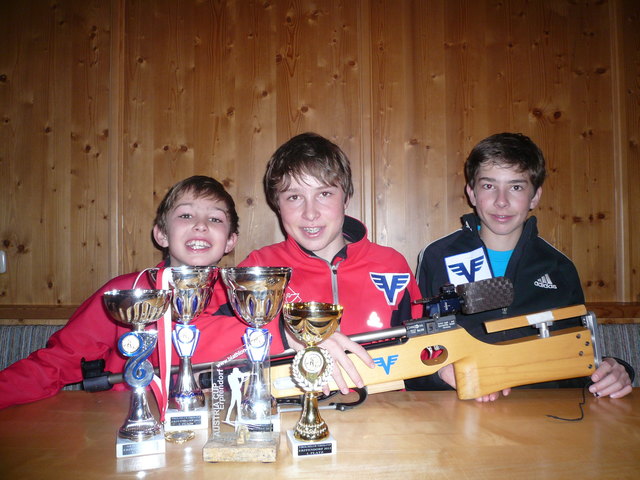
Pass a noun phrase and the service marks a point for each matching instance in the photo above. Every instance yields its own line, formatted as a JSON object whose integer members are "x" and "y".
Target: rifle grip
{"x": 467, "y": 378}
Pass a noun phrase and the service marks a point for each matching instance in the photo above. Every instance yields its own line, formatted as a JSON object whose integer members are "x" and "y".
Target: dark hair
{"x": 306, "y": 154}
{"x": 201, "y": 187}
{"x": 510, "y": 149}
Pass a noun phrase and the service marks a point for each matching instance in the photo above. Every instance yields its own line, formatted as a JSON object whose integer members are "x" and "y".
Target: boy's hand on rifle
{"x": 338, "y": 345}
{"x": 447, "y": 374}
{"x": 610, "y": 379}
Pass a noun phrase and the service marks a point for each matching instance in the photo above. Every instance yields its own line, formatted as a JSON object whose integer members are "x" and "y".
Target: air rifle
{"x": 480, "y": 368}
{"x": 421, "y": 347}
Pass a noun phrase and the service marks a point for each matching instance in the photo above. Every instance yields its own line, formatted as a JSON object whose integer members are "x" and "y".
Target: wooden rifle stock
{"x": 480, "y": 368}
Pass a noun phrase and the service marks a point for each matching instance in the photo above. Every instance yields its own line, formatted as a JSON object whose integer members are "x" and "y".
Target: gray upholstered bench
{"x": 18, "y": 341}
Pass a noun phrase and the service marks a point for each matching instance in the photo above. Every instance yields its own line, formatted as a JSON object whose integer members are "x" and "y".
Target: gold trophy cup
{"x": 311, "y": 323}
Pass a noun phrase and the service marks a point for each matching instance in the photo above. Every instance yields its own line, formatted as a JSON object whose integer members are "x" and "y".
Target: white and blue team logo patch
{"x": 391, "y": 284}
{"x": 468, "y": 267}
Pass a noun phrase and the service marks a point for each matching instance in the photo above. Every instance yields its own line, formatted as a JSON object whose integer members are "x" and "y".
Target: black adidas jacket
{"x": 542, "y": 276}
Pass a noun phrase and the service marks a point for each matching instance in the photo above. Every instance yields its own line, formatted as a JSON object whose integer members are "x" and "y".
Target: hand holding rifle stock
{"x": 479, "y": 368}
{"x": 468, "y": 298}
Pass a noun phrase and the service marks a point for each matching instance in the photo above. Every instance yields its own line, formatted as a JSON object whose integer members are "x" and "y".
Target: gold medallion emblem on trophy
{"x": 311, "y": 323}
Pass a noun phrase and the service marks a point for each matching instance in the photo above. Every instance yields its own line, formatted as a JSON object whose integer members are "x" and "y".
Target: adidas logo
{"x": 545, "y": 282}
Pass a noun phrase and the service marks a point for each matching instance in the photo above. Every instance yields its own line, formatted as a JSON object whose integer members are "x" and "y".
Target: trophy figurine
{"x": 256, "y": 296}
{"x": 311, "y": 322}
{"x": 191, "y": 287}
{"x": 140, "y": 433}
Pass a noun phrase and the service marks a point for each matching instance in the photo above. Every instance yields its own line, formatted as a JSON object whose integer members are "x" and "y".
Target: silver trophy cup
{"x": 138, "y": 308}
{"x": 256, "y": 295}
{"x": 192, "y": 288}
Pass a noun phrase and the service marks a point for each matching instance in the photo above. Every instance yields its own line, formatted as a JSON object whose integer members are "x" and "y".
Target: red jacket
{"x": 91, "y": 334}
{"x": 373, "y": 283}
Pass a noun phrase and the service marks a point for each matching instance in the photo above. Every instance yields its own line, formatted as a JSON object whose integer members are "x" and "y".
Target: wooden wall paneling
{"x": 539, "y": 54}
{"x": 159, "y": 122}
{"x": 251, "y": 109}
{"x": 318, "y": 78}
{"x": 25, "y": 116}
{"x": 463, "y": 58}
{"x": 208, "y": 108}
{"x": 201, "y": 137}
{"x": 629, "y": 64}
{"x": 503, "y": 51}
{"x": 117, "y": 102}
{"x": 550, "y": 117}
{"x": 144, "y": 56}
{"x": 88, "y": 92}
{"x": 55, "y": 166}
{"x": 467, "y": 112}
{"x": 392, "y": 95}
{"x": 173, "y": 150}
{"x": 26, "y": 35}
{"x": 364, "y": 188}
{"x": 213, "y": 87}
{"x": 621, "y": 193}
{"x": 56, "y": 229}
{"x": 431, "y": 178}
{"x": 591, "y": 148}
{"x": 164, "y": 123}
{"x": 7, "y": 142}
{"x": 409, "y": 173}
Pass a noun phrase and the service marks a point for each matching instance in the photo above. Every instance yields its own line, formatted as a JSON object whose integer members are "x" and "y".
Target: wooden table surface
{"x": 393, "y": 435}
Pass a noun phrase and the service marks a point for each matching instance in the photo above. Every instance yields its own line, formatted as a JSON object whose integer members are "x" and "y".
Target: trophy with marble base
{"x": 191, "y": 287}
{"x": 311, "y": 322}
{"x": 140, "y": 434}
{"x": 256, "y": 295}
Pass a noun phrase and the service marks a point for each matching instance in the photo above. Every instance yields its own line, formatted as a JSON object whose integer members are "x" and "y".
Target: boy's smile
{"x": 313, "y": 213}
{"x": 502, "y": 197}
{"x": 197, "y": 232}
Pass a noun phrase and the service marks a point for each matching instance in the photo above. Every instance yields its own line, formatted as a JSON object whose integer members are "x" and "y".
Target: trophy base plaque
{"x": 305, "y": 448}
{"x": 130, "y": 448}
{"x": 242, "y": 447}
{"x": 176, "y": 420}
{"x": 141, "y": 463}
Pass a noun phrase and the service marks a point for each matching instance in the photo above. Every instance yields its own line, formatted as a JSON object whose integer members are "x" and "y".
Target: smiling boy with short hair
{"x": 196, "y": 224}
{"x": 505, "y": 173}
{"x": 308, "y": 184}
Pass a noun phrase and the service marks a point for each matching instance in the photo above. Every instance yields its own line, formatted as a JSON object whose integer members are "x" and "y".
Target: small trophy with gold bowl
{"x": 311, "y": 323}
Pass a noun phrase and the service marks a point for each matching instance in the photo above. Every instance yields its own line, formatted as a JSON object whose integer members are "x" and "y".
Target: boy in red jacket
{"x": 196, "y": 224}
{"x": 308, "y": 185}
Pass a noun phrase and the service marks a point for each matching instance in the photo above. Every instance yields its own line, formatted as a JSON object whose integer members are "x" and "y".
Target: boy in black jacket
{"x": 504, "y": 175}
